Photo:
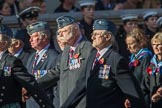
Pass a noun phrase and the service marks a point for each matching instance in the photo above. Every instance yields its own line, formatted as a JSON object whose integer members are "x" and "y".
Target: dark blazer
{"x": 140, "y": 70}
{"x": 112, "y": 88}
{"x": 14, "y": 76}
{"x": 45, "y": 63}
{"x": 68, "y": 78}
{"x": 116, "y": 83}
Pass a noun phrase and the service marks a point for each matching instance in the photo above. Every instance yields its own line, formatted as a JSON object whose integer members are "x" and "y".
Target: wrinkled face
{"x": 36, "y": 40}
{"x": 61, "y": 41}
{"x": 88, "y": 12}
{"x": 66, "y": 33}
{"x": 132, "y": 45}
{"x": 157, "y": 48}
{"x": 6, "y": 10}
{"x": 98, "y": 39}
{"x": 130, "y": 25}
{"x": 151, "y": 22}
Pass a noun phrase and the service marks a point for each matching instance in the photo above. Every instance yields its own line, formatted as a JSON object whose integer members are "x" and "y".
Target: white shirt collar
{"x": 104, "y": 50}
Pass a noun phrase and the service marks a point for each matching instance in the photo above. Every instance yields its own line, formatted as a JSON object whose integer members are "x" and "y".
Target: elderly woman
{"x": 137, "y": 44}
{"x": 152, "y": 84}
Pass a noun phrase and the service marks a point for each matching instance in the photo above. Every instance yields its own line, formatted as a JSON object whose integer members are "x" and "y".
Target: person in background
{"x": 16, "y": 49}
{"x": 43, "y": 59}
{"x": 14, "y": 5}
{"x": 139, "y": 4}
{"x": 152, "y": 84}
{"x": 66, "y": 6}
{"x": 14, "y": 76}
{"x": 137, "y": 44}
{"x": 109, "y": 4}
{"x": 5, "y": 9}
{"x": 40, "y": 3}
{"x": 87, "y": 11}
{"x": 150, "y": 27}
{"x": 130, "y": 21}
{"x": 24, "y": 4}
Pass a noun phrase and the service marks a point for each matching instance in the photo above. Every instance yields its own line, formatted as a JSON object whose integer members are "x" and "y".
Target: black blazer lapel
{"x": 21, "y": 56}
{"x": 2, "y": 62}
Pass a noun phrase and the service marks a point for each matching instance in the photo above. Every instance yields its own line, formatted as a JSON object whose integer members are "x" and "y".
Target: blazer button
{"x": 1, "y": 100}
{"x": 3, "y": 87}
{"x": 40, "y": 100}
{"x": 2, "y": 94}
{"x": 43, "y": 106}
{"x": 35, "y": 95}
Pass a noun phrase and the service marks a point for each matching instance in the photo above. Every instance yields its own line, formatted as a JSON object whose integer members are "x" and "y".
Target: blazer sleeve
{"x": 26, "y": 80}
{"x": 52, "y": 76}
{"x": 128, "y": 84}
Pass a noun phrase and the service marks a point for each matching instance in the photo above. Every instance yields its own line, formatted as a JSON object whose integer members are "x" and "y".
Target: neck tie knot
{"x": 35, "y": 60}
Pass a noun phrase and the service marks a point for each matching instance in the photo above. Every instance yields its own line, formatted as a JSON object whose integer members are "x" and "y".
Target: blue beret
{"x": 64, "y": 21}
{"x": 5, "y": 30}
{"x": 104, "y": 24}
{"x": 38, "y": 26}
{"x": 30, "y": 12}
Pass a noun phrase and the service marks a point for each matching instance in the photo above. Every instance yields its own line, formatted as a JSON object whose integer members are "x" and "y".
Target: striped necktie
{"x": 96, "y": 59}
{"x": 71, "y": 53}
{"x": 35, "y": 60}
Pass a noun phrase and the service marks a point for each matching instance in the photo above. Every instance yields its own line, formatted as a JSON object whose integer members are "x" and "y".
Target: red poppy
{"x": 136, "y": 63}
{"x": 101, "y": 61}
{"x": 149, "y": 70}
{"x": 76, "y": 55}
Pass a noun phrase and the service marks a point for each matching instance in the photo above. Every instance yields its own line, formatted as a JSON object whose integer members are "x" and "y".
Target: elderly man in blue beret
{"x": 43, "y": 59}
{"x": 108, "y": 79}
{"x": 72, "y": 63}
{"x": 14, "y": 76}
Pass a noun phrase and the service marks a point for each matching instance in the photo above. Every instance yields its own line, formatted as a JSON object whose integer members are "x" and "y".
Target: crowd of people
{"x": 91, "y": 63}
